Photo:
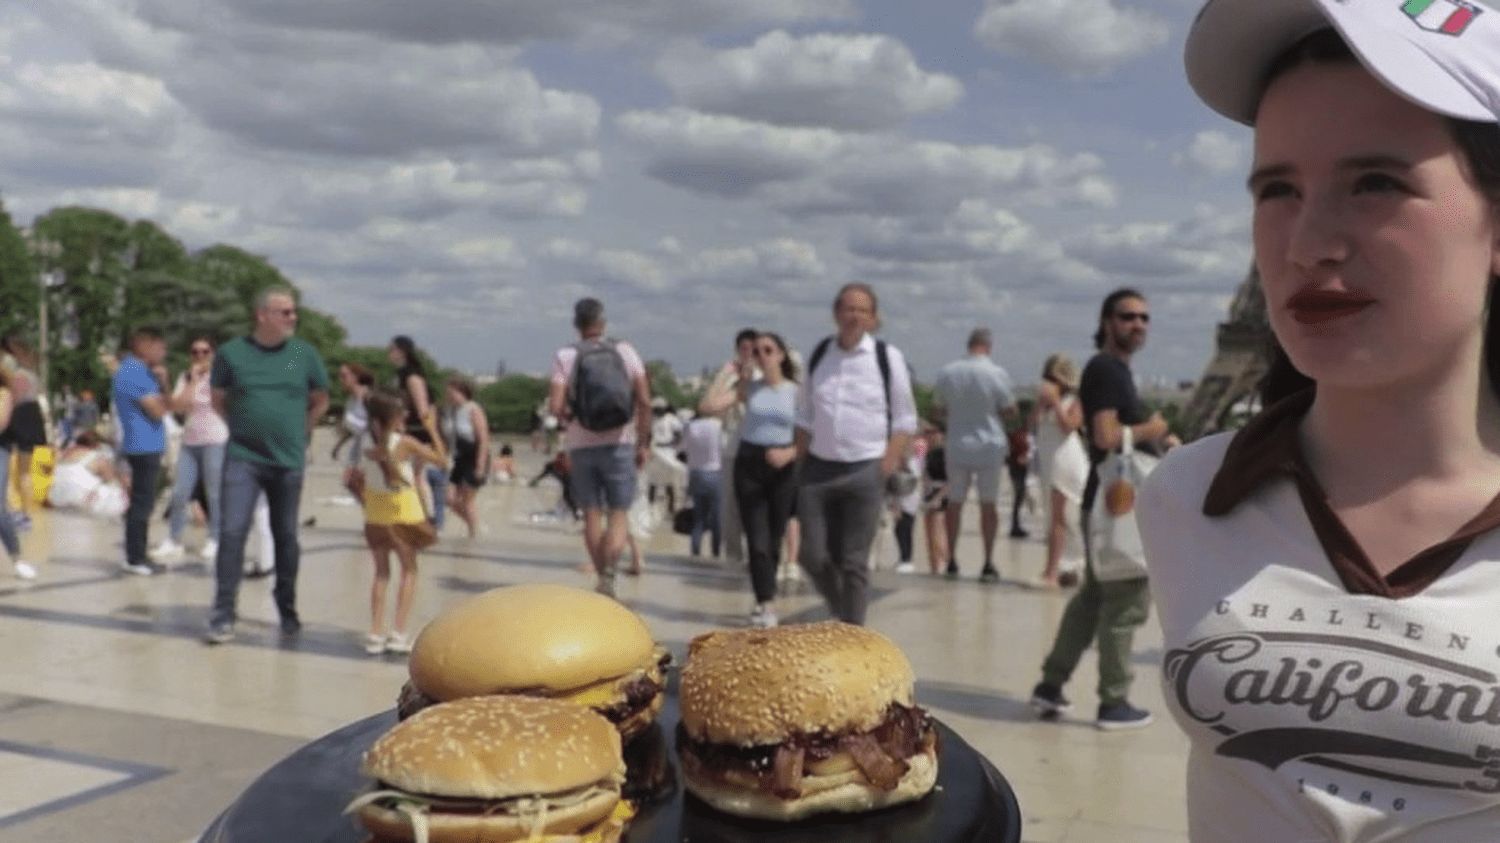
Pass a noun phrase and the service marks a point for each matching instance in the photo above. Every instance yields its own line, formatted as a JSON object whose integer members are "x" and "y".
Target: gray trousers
{"x": 839, "y": 507}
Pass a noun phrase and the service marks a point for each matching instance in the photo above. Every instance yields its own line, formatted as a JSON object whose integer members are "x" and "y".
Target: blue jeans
{"x": 8, "y": 535}
{"x": 144, "y": 469}
{"x": 704, "y": 490}
{"x": 207, "y": 460}
{"x": 244, "y": 481}
{"x": 437, "y": 479}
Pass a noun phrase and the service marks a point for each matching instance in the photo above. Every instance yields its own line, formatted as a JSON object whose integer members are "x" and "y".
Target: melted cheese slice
{"x": 611, "y": 691}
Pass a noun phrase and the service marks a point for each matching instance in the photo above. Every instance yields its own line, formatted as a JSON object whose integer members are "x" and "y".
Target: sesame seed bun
{"x": 758, "y": 687}
{"x": 499, "y": 747}
{"x": 846, "y": 792}
{"x": 534, "y": 639}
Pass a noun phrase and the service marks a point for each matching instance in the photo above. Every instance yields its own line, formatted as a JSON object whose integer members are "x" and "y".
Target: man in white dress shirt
{"x": 855, "y": 416}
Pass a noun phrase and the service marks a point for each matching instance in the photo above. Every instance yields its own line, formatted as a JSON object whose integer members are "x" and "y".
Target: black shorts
{"x": 28, "y": 430}
{"x": 466, "y": 459}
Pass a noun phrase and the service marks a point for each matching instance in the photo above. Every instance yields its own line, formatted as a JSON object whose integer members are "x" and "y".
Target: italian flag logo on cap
{"x": 1449, "y": 17}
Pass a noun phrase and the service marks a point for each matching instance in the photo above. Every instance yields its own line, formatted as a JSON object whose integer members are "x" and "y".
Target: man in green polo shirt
{"x": 271, "y": 387}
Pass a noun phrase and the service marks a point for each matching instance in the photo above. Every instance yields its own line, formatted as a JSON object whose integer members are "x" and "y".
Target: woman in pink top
{"x": 204, "y": 437}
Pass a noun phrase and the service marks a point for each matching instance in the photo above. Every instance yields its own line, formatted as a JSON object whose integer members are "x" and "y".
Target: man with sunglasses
{"x": 1106, "y": 611}
{"x": 271, "y": 387}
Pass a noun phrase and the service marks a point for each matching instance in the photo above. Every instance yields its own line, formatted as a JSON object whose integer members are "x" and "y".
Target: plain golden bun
{"x": 841, "y": 792}
{"x": 565, "y": 824}
{"x": 758, "y": 687}
{"x": 498, "y": 747}
{"x": 529, "y": 638}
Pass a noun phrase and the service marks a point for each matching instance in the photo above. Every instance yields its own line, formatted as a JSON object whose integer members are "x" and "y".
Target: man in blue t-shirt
{"x": 140, "y": 406}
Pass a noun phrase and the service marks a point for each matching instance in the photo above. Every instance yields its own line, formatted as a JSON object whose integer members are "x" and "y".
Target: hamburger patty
{"x": 638, "y": 693}
{"x": 880, "y": 754}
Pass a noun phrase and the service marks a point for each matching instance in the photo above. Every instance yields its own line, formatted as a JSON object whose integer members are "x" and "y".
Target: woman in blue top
{"x": 765, "y": 483}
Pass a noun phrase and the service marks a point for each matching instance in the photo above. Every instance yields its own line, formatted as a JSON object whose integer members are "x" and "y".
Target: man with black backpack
{"x": 855, "y": 416}
{"x": 599, "y": 386}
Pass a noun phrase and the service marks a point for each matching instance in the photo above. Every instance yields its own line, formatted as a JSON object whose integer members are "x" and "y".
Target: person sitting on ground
{"x": 505, "y": 465}
{"x": 84, "y": 479}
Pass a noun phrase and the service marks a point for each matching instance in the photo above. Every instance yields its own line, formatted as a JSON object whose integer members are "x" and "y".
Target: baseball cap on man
{"x": 1443, "y": 55}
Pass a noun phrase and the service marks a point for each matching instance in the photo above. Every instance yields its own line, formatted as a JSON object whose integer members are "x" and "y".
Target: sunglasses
{"x": 1134, "y": 316}
{"x": 766, "y": 351}
{"x": 201, "y": 352}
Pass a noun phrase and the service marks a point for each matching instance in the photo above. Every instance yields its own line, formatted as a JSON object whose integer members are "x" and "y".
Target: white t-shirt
{"x": 703, "y": 443}
{"x": 1316, "y": 714}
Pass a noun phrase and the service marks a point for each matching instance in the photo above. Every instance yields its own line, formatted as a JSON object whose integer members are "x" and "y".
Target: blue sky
{"x": 462, "y": 170}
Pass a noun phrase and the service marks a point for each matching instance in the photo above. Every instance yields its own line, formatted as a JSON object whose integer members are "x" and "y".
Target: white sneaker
{"x": 906, "y": 568}
{"x": 168, "y": 549}
{"x": 762, "y": 616}
{"x": 397, "y": 642}
{"x": 25, "y": 570}
{"x": 210, "y": 550}
{"x": 375, "y": 644}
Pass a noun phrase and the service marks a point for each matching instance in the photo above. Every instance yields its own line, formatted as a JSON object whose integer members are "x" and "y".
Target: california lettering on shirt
{"x": 1314, "y": 713}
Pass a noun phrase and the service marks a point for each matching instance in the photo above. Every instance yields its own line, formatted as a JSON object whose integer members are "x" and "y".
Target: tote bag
{"x": 1114, "y": 535}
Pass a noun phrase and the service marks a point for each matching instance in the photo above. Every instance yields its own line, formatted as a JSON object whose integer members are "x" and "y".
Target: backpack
{"x": 601, "y": 396}
{"x": 882, "y": 359}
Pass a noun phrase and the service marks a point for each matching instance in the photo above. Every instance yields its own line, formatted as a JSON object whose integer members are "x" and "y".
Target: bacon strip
{"x": 882, "y": 770}
{"x": 786, "y": 772}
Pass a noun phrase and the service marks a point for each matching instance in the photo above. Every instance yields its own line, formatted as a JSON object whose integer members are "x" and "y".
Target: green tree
{"x": 509, "y": 402}
{"x": 18, "y": 280}
{"x": 87, "y": 306}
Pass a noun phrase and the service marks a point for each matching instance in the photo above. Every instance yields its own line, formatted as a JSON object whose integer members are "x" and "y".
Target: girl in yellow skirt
{"x": 394, "y": 518}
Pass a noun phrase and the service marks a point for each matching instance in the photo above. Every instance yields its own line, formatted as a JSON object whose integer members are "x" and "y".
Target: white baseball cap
{"x": 1444, "y": 55}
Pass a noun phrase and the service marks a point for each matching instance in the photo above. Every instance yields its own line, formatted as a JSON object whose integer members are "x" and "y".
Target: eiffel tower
{"x": 1236, "y": 368}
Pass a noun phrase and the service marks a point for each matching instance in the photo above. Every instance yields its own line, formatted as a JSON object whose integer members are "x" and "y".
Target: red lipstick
{"x": 1314, "y": 307}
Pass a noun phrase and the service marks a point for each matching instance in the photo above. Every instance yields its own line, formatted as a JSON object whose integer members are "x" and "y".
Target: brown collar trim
{"x": 1264, "y": 450}
{"x": 1267, "y": 449}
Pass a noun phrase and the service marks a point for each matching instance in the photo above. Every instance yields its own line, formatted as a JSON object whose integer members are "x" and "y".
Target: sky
{"x": 463, "y": 170}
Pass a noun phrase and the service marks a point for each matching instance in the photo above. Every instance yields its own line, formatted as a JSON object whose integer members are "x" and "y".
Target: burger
{"x": 783, "y": 723}
{"x": 541, "y": 641}
{"x": 495, "y": 770}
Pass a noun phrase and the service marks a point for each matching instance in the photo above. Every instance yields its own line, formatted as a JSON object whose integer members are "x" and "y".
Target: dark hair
{"x": 981, "y": 337}
{"x": 745, "y": 334}
{"x": 788, "y": 368}
{"x": 1480, "y": 145}
{"x": 1107, "y": 309}
{"x": 587, "y": 313}
{"x": 464, "y": 386}
{"x": 385, "y": 407}
{"x": 203, "y": 338}
{"x": 412, "y": 365}
{"x": 146, "y": 332}
{"x": 87, "y": 439}
{"x": 19, "y": 348}
{"x": 362, "y": 375}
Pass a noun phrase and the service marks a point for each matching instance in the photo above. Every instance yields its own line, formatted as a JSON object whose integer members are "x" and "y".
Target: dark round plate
{"x": 302, "y": 796}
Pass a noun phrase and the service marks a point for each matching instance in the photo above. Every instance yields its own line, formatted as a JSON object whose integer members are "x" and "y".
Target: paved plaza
{"x": 114, "y": 716}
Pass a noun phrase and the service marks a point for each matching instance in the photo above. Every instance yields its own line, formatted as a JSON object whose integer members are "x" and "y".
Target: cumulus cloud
{"x": 858, "y": 82}
{"x": 1208, "y": 247}
{"x": 1215, "y": 153}
{"x": 1081, "y": 37}
{"x": 812, "y": 172}
{"x": 513, "y": 21}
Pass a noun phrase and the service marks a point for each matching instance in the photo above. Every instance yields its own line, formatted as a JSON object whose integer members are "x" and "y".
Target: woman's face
{"x": 202, "y": 354}
{"x": 395, "y": 355}
{"x": 455, "y": 398}
{"x": 346, "y": 378}
{"x": 768, "y": 354}
{"x": 1374, "y": 244}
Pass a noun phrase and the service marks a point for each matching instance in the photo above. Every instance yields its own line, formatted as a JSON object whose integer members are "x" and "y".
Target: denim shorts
{"x": 603, "y": 476}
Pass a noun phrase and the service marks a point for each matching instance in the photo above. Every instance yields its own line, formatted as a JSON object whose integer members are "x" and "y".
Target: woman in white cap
{"x": 1328, "y": 577}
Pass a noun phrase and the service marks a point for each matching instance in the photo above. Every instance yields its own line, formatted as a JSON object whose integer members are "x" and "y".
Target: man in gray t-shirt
{"x": 975, "y": 399}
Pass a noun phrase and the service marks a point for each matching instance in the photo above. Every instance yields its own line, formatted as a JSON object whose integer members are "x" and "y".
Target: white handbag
{"x": 1114, "y": 537}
